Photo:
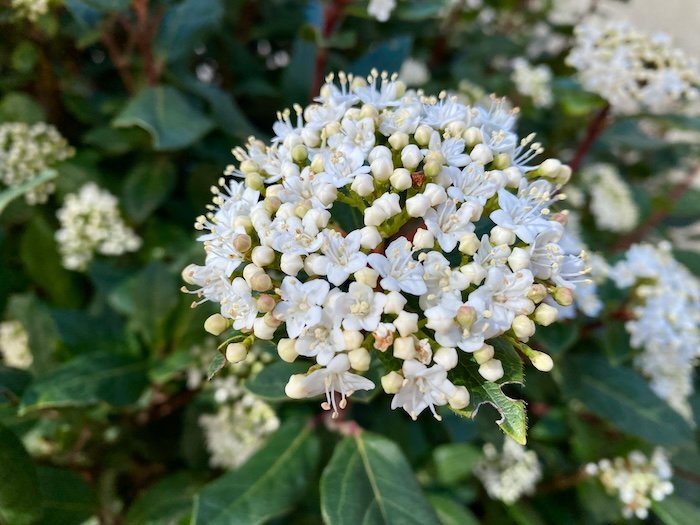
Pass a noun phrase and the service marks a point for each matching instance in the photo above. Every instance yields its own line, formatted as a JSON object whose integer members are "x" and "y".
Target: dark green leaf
{"x": 455, "y": 461}
{"x": 18, "y": 107}
{"x": 67, "y": 499}
{"x": 13, "y": 381}
{"x": 271, "y": 380}
{"x": 146, "y": 187}
{"x": 165, "y": 503}
{"x": 267, "y": 485}
{"x": 40, "y": 326}
{"x": 217, "y": 363}
{"x": 170, "y": 119}
{"x": 384, "y": 56}
{"x": 623, "y": 398}
{"x": 369, "y": 481}
{"x": 88, "y": 379}
{"x": 20, "y": 500}
{"x": 676, "y": 511}
{"x": 450, "y": 512}
{"x": 185, "y": 25}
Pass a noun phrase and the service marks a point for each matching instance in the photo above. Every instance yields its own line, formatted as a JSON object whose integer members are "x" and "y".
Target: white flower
{"x": 443, "y": 284}
{"x": 523, "y": 213}
{"x": 238, "y": 304}
{"x": 336, "y": 377}
{"x": 341, "y": 256}
{"x": 503, "y": 296}
{"x": 612, "y": 202}
{"x": 363, "y": 308}
{"x": 449, "y": 224}
{"x": 398, "y": 269}
{"x": 342, "y": 164}
{"x": 381, "y": 9}
{"x": 322, "y": 340}
{"x": 449, "y": 332}
{"x": 510, "y": 474}
{"x": 423, "y": 387}
{"x": 472, "y": 184}
{"x": 300, "y": 305}
{"x": 358, "y": 133}
{"x": 294, "y": 236}
{"x": 14, "y": 345}
{"x": 414, "y": 72}
{"x": 450, "y": 151}
{"x": 533, "y": 81}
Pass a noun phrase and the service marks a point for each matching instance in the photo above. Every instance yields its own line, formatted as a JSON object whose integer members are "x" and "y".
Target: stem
{"x": 593, "y": 131}
{"x": 658, "y": 216}
{"x": 119, "y": 58}
{"x": 11, "y": 193}
{"x": 331, "y": 17}
{"x": 563, "y": 482}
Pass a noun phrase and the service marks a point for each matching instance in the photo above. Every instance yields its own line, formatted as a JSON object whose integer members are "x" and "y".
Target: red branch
{"x": 331, "y": 16}
{"x": 595, "y": 128}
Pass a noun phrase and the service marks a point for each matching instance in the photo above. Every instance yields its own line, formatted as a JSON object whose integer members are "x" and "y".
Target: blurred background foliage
{"x": 104, "y": 425}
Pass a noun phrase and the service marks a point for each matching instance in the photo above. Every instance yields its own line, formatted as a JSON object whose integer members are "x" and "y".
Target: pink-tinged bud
{"x": 392, "y": 382}
{"x": 563, "y": 296}
{"x": 266, "y": 303}
{"x": 466, "y": 315}
{"x": 537, "y": 293}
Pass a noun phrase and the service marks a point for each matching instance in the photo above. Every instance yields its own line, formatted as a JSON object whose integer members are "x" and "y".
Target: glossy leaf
{"x": 455, "y": 461}
{"x": 165, "y": 503}
{"x": 67, "y": 499}
{"x": 269, "y": 383}
{"x": 20, "y": 500}
{"x": 369, "y": 481}
{"x": 184, "y": 26}
{"x": 676, "y": 511}
{"x": 451, "y": 512}
{"x": 146, "y": 187}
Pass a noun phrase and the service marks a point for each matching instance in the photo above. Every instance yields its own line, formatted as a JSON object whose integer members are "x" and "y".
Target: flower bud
{"x": 519, "y": 259}
{"x": 501, "y": 161}
{"x": 286, "y": 349}
{"x": 394, "y": 303}
{"x": 459, "y": 398}
{"x": 392, "y": 382}
{"x": 295, "y": 388}
{"x": 374, "y": 216}
{"x": 423, "y": 239}
{"x": 513, "y": 176}
{"x": 317, "y": 164}
{"x": 432, "y": 169}
{"x": 326, "y": 194}
{"x": 541, "y": 361}
{"x": 315, "y": 264}
{"x": 474, "y": 272}
{"x": 363, "y": 184}
{"x": 417, "y": 205}
{"x": 405, "y": 348}
{"x": 472, "y": 136}
{"x": 353, "y": 339}
{"x": 249, "y": 166}
{"x": 500, "y": 235}
{"x": 456, "y": 128}
{"x": 523, "y": 327}
{"x": 379, "y": 152}
{"x": 242, "y": 242}
{"x": 423, "y": 134}
{"x": 563, "y": 296}
{"x": 236, "y": 352}
{"x": 550, "y": 168}
{"x": 216, "y": 324}
{"x": 359, "y": 359}
{"x": 411, "y": 157}
{"x": 401, "y": 179}
{"x": 370, "y": 237}
{"x": 367, "y": 276}
{"x": 254, "y": 181}
{"x": 266, "y": 303}
{"x": 481, "y": 154}
{"x": 263, "y": 330}
{"x": 406, "y": 323}
{"x": 291, "y": 263}
{"x": 537, "y": 293}
{"x": 469, "y": 244}
{"x": 484, "y": 354}
{"x": 311, "y": 137}
{"x": 251, "y": 271}
{"x": 446, "y": 357}
{"x": 398, "y": 140}
{"x": 491, "y": 370}
{"x": 188, "y": 273}
{"x": 299, "y": 153}
{"x": 262, "y": 256}
{"x": 466, "y": 315}
{"x": 564, "y": 175}
{"x": 545, "y": 314}
{"x": 260, "y": 282}
{"x": 435, "y": 193}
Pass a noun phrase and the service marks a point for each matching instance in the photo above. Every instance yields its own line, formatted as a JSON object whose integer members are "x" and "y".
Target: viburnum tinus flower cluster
{"x": 633, "y": 71}
{"x": 380, "y": 221}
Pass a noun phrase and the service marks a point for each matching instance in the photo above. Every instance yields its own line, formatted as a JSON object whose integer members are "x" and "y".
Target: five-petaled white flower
{"x": 341, "y": 256}
{"x": 300, "y": 306}
{"x": 398, "y": 269}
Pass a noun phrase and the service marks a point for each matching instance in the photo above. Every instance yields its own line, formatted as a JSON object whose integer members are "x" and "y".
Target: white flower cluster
{"x": 533, "y": 81}
{"x": 484, "y": 249}
{"x": 242, "y": 421}
{"x": 27, "y": 150}
{"x": 612, "y": 203}
{"x": 14, "y": 345}
{"x": 30, "y": 9}
{"x": 509, "y": 474}
{"x": 381, "y": 9}
{"x": 666, "y": 325}
{"x": 90, "y": 222}
{"x": 636, "y": 480}
{"x": 633, "y": 71}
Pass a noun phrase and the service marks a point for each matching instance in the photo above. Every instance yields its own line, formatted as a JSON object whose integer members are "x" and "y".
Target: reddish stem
{"x": 593, "y": 131}
{"x": 331, "y": 16}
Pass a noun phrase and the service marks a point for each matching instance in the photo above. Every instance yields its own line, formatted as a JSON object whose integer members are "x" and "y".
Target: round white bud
{"x": 513, "y": 176}
{"x": 423, "y": 239}
{"x": 484, "y": 354}
{"x": 519, "y": 259}
{"x": 262, "y": 256}
{"x": 392, "y": 382}
{"x": 459, "y": 398}
{"x": 395, "y": 302}
{"x": 563, "y": 296}
{"x": 523, "y": 327}
{"x": 261, "y": 282}
{"x": 265, "y": 303}
{"x": 286, "y": 349}
{"x": 546, "y": 314}
{"x": 481, "y": 154}
{"x": 435, "y": 193}
{"x": 359, "y": 359}
{"x": 370, "y": 237}
{"x": 401, "y": 179}
{"x": 472, "y": 136}
{"x": 363, "y": 184}
{"x": 469, "y": 244}
{"x": 291, "y": 263}
{"x": 236, "y": 352}
{"x": 500, "y": 235}
{"x": 295, "y": 388}
{"x": 446, "y": 357}
{"x": 326, "y": 193}
{"x": 367, "y": 276}
{"x": 311, "y": 137}
{"x": 491, "y": 370}
{"x": 474, "y": 272}
{"x": 541, "y": 361}
{"x": 315, "y": 264}
{"x": 398, "y": 140}
{"x": 404, "y": 348}
{"x": 550, "y": 168}
{"x": 417, "y": 205}
{"x": 423, "y": 134}
{"x": 317, "y": 164}
{"x": 406, "y": 323}
{"x": 378, "y": 152}
{"x": 353, "y": 339}
{"x": 411, "y": 157}
{"x": 374, "y": 216}
{"x": 216, "y": 324}
{"x": 564, "y": 175}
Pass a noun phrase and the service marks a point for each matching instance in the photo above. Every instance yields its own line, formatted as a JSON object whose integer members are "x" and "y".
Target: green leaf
{"x": 455, "y": 461}
{"x": 269, "y": 383}
{"x": 19, "y": 107}
{"x": 217, "y": 363}
{"x": 450, "y": 512}
{"x": 623, "y": 398}
{"x": 88, "y": 379}
{"x": 13, "y": 381}
{"x": 170, "y": 119}
{"x": 369, "y": 481}
{"x": 556, "y": 338}
{"x": 267, "y": 485}
{"x": 40, "y": 326}
{"x": 676, "y": 511}
{"x": 146, "y": 187}
{"x": 513, "y": 417}
{"x": 298, "y": 75}
{"x": 20, "y": 500}
{"x": 524, "y": 514}
{"x": 387, "y": 55}
{"x": 165, "y": 503}
{"x": 67, "y": 498}
{"x": 185, "y": 25}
